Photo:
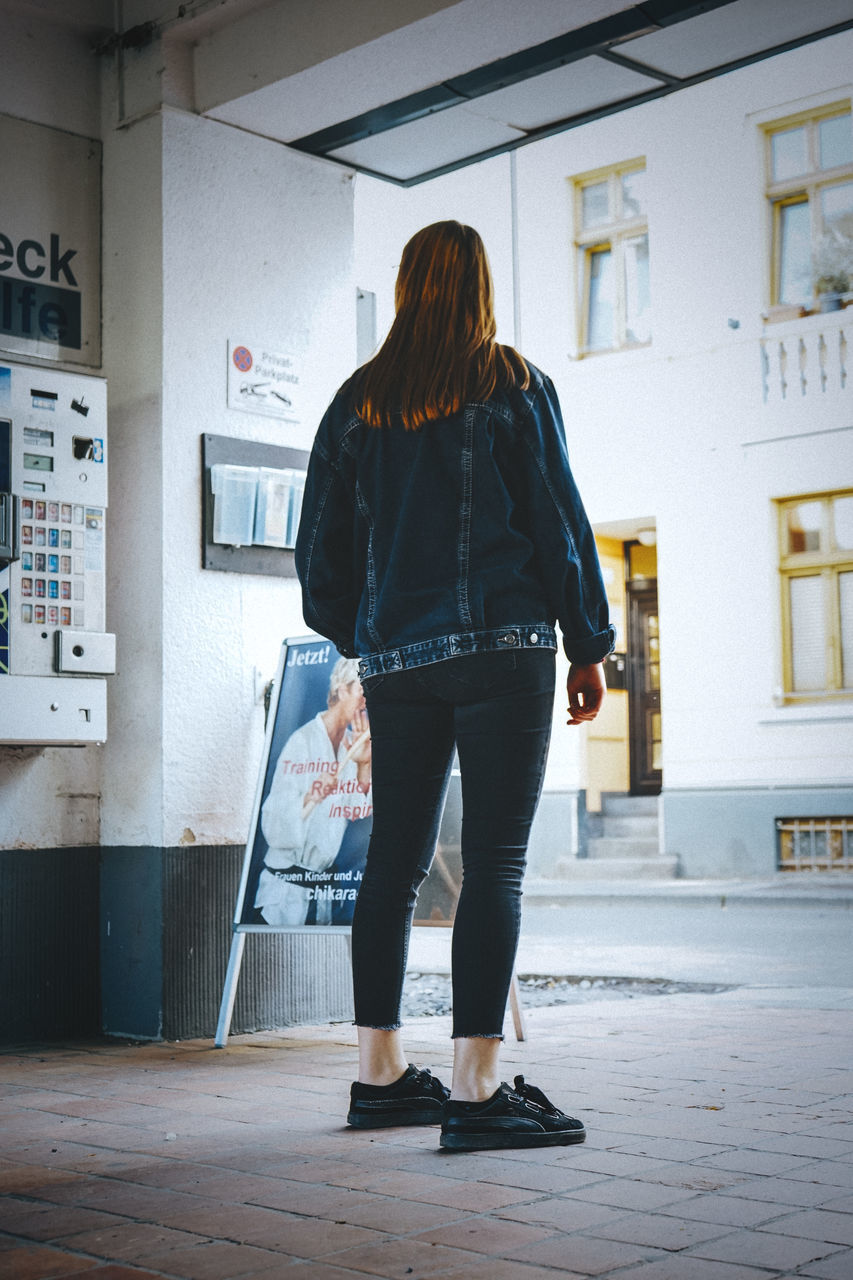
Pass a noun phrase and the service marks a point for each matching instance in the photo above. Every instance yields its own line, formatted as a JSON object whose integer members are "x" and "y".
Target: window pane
{"x": 656, "y": 743}
{"x": 634, "y": 194}
{"x": 602, "y": 302}
{"x": 836, "y": 141}
{"x": 804, "y": 525}
{"x": 845, "y": 609}
{"x": 808, "y": 634}
{"x": 795, "y": 275}
{"x": 789, "y": 153}
{"x": 637, "y": 301}
{"x": 842, "y": 515}
{"x": 837, "y": 206}
{"x": 652, "y": 653}
{"x": 594, "y": 204}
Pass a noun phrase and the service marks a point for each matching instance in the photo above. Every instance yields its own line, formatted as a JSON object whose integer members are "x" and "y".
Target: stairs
{"x": 622, "y": 843}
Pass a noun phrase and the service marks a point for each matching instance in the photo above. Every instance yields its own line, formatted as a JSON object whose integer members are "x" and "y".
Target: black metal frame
{"x": 644, "y": 780}
{"x": 276, "y": 562}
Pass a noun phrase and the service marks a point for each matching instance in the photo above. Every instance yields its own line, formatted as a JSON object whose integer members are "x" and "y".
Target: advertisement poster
{"x": 311, "y": 823}
{"x": 312, "y": 815}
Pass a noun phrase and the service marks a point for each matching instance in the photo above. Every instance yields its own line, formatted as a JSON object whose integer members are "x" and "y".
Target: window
{"x": 612, "y": 242}
{"x": 810, "y": 189}
{"x": 815, "y": 844}
{"x": 816, "y": 565}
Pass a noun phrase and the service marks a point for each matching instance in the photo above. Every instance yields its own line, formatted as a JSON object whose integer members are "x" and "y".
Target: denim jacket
{"x": 464, "y": 536}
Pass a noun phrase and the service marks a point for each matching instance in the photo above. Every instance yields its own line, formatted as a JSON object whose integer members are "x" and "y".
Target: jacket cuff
{"x": 593, "y": 649}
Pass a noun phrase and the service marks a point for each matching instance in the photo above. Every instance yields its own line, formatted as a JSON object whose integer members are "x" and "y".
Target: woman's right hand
{"x": 586, "y": 688}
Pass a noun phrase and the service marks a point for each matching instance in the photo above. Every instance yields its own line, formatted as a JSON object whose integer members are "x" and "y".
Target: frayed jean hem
{"x": 369, "y": 1026}
{"x": 477, "y": 1035}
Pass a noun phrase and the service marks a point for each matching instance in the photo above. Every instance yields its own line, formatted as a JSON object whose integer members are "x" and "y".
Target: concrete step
{"x": 656, "y": 868}
{"x": 628, "y": 806}
{"x": 644, "y": 827}
{"x": 601, "y": 848}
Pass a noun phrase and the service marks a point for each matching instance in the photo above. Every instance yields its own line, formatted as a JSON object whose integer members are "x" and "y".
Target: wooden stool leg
{"x": 517, "y": 1011}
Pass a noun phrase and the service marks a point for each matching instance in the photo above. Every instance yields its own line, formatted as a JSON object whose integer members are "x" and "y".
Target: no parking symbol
{"x": 242, "y": 358}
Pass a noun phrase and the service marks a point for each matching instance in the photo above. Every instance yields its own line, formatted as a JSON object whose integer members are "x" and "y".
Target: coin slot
{"x": 83, "y": 448}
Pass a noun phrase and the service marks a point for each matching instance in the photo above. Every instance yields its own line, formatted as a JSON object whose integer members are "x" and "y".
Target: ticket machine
{"x": 54, "y": 648}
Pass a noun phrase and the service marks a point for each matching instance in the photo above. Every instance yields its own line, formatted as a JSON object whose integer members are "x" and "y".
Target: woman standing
{"x": 441, "y": 537}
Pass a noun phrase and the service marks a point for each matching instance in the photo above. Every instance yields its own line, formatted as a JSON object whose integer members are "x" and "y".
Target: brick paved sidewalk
{"x": 720, "y": 1148}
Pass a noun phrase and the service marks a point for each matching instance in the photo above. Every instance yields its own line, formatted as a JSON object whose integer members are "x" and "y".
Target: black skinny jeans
{"x": 496, "y": 709}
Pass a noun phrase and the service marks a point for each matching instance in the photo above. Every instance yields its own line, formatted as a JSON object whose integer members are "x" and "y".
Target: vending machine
{"x": 54, "y": 647}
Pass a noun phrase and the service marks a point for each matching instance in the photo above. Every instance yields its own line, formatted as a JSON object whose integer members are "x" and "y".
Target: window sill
{"x": 784, "y": 315}
{"x": 585, "y": 353}
{"x": 803, "y": 712}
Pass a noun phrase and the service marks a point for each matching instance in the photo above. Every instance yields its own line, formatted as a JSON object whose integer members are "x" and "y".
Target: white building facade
{"x": 657, "y": 263}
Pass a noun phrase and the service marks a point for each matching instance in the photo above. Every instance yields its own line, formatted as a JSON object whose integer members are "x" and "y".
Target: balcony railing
{"x": 807, "y": 357}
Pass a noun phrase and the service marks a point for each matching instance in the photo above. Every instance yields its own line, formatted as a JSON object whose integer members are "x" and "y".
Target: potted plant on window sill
{"x": 833, "y": 270}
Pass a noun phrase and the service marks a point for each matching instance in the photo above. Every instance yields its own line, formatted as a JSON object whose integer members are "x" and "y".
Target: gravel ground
{"x": 429, "y": 994}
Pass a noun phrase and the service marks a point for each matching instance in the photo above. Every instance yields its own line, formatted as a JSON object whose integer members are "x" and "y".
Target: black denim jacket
{"x": 466, "y": 535}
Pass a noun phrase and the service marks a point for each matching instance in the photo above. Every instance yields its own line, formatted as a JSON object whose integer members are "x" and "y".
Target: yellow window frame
{"x": 605, "y": 237}
{"x": 827, "y": 563}
{"x": 803, "y": 188}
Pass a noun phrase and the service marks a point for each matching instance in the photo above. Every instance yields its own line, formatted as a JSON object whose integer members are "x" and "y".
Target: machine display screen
{"x": 38, "y": 462}
{"x": 39, "y": 436}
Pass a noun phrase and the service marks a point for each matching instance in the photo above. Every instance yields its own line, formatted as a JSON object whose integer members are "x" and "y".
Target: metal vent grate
{"x": 815, "y": 844}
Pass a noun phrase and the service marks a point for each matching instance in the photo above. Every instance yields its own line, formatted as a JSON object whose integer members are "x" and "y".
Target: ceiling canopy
{"x": 629, "y": 57}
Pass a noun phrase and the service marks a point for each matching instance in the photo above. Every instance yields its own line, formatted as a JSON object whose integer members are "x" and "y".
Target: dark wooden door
{"x": 644, "y": 719}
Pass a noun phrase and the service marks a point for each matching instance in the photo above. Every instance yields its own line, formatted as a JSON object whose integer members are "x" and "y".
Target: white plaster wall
{"x": 133, "y": 318}
{"x": 388, "y": 216}
{"x": 50, "y": 797}
{"x": 257, "y": 244}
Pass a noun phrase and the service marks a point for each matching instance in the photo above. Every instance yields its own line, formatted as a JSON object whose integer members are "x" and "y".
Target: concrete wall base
{"x": 554, "y": 836}
{"x": 134, "y": 942}
{"x": 731, "y": 832}
{"x": 165, "y": 937}
{"x": 48, "y": 944}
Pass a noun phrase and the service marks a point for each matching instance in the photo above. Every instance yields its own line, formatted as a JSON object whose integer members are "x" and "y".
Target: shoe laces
{"x": 530, "y": 1093}
{"x": 428, "y": 1082}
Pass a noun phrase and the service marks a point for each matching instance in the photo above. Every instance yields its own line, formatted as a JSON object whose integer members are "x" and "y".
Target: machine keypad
{"x": 49, "y": 575}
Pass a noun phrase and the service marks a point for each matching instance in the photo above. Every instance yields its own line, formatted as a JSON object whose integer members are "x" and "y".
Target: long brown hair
{"x": 441, "y": 350}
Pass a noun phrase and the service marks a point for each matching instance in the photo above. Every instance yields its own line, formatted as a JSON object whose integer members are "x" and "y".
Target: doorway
{"x": 624, "y": 745}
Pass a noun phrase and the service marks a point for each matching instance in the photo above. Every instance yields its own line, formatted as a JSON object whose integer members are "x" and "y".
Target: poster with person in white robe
{"x": 314, "y": 813}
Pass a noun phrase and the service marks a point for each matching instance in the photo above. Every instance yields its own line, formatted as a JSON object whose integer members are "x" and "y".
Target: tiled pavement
{"x": 720, "y": 1148}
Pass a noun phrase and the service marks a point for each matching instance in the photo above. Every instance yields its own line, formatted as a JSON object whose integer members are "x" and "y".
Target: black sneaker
{"x": 519, "y": 1117}
{"x": 416, "y": 1098}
